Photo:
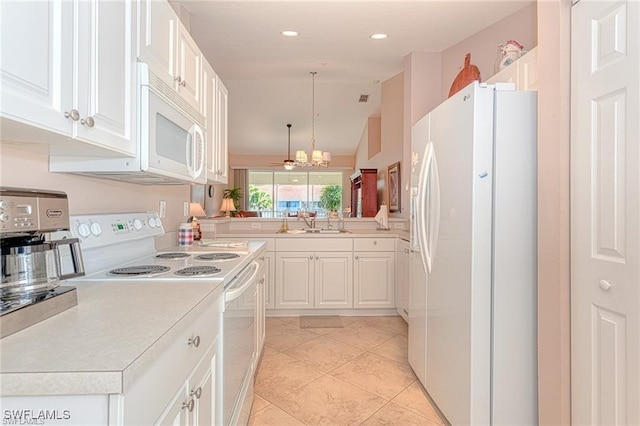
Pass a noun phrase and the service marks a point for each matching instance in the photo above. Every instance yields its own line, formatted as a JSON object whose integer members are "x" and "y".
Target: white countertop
{"x": 105, "y": 343}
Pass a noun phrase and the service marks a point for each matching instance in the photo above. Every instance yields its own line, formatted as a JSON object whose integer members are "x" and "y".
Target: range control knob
{"x": 83, "y": 230}
{"x": 96, "y": 229}
{"x": 137, "y": 224}
{"x": 4, "y": 217}
{"x": 3, "y": 204}
{"x": 153, "y": 222}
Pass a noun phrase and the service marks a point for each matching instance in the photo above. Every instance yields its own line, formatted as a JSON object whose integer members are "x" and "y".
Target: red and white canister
{"x": 185, "y": 234}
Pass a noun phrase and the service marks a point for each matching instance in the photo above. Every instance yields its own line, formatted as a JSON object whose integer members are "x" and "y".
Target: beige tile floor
{"x": 354, "y": 375}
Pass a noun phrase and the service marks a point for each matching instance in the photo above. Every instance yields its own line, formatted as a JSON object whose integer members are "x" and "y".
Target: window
{"x": 278, "y": 194}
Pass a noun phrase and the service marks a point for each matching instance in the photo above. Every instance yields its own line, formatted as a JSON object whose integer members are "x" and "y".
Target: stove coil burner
{"x": 198, "y": 271}
{"x": 172, "y": 255}
{"x": 139, "y": 270}
{"x": 217, "y": 256}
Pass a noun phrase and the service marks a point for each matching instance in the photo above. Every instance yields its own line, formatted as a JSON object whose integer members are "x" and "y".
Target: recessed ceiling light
{"x": 378, "y": 36}
{"x": 289, "y": 33}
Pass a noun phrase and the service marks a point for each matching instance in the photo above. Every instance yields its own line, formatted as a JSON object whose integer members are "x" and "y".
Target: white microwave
{"x": 171, "y": 145}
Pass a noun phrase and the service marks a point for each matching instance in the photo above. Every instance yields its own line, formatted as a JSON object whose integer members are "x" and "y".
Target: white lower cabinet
{"x": 402, "y": 279}
{"x": 179, "y": 388}
{"x": 314, "y": 280}
{"x": 374, "y": 279}
{"x": 261, "y": 306}
{"x": 294, "y": 280}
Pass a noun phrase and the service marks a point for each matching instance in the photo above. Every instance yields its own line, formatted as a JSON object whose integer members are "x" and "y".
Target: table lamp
{"x": 195, "y": 211}
{"x": 227, "y": 206}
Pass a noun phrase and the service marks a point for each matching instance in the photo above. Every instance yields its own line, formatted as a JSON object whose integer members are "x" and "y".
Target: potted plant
{"x": 331, "y": 199}
{"x": 235, "y": 194}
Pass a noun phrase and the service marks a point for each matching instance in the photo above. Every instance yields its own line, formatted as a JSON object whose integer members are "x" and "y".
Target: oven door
{"x": 172, "y": 143}
{"x": 239, "y": 345}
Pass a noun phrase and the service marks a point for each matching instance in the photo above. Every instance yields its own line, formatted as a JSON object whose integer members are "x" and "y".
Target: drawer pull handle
{"x": 89, "y": 122}
{"x": 178, "y": 79}
{"x": 406, "y": 250}
{"x": 197, "y": 393}
{"x": 188, "y": 405}
{"x": 195, "y": 341}
{"x": 356, "y": 257}
{"x": 375, "y": 243}
{"x": 310, "y": 257}
{"x": 183, "y": 83}
{"x": 317, "y": 257}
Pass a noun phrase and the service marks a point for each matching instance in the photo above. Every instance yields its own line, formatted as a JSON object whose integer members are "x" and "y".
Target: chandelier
{"x": 318, "y": 158}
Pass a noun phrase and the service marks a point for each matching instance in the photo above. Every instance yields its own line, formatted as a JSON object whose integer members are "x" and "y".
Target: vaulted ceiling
{"x": 268, "y": 74}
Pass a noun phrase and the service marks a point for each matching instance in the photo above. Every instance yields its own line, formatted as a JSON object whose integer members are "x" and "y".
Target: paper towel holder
{"x": 382, "y": 218}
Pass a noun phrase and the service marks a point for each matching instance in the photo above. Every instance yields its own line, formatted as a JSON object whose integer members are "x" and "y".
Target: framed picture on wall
{"x": 393, "y": 178}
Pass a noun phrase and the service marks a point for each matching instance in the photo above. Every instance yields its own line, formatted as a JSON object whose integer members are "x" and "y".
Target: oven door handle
{"x": 230, "y": 295}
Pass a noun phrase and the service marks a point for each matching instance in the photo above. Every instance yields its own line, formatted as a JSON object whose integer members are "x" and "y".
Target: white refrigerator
{"x": 472, "y": 311}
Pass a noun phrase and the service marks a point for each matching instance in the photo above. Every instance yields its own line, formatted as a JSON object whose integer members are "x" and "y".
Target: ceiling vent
{"x": 364, "y": 98}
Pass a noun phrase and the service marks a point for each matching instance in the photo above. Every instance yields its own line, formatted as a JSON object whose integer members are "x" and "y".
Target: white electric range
{"x": 121, "y": 247}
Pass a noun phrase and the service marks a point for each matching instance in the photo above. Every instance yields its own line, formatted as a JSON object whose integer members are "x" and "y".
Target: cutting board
{"x": 468, "y": 74}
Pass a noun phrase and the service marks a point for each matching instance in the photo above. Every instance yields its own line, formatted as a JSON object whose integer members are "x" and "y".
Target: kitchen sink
{"x": 314, "y": 231}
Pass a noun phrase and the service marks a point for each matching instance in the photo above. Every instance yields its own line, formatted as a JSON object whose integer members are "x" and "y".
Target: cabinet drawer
{"x": 374, "y": 244}
{"x": 314, "y": 244}
{"x": 171, "y": 369}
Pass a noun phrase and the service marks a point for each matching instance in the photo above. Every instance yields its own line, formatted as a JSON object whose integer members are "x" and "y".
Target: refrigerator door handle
{"x": 428, "y": 208}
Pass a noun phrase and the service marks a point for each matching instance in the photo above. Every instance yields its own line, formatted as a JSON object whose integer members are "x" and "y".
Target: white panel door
{"x": 374, "y": 280}
{"x": 294, "y": 280}
{"x": 189, "y": 70}
{"x": 334, "y": 280}
{"x": 106, "y": 75}
{"x": 605, "y": 213}
{"x": 157, "y": 38}
{"x": 35, "y": 63}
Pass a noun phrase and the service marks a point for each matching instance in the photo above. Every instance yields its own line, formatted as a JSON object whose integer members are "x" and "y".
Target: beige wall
{"x": 554, "y": 352}
{"x": 29, "y": 169}
{"x": 483, "y": 46}
{"x": 391, "y": 137}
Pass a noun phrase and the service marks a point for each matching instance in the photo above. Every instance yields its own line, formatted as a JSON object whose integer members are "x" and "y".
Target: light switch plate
{"x": 162, "y": 210}
{"x": 398, "y": 225}
{"x": 255, "y": 225}
{"x": 185, "y": 209}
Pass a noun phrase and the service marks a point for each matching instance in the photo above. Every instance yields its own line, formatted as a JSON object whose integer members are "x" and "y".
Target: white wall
{"x": 29, "y": 169}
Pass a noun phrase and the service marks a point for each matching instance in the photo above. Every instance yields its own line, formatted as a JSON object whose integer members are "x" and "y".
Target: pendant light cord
{"x": 313, "y": 111}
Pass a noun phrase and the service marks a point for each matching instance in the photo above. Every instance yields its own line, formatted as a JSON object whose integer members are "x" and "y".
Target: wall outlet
{"x": 162, "y": 210}
{"x": 256, "y": 225}
{"x": 398, "y": 225}
{"x": 185, "y": 209}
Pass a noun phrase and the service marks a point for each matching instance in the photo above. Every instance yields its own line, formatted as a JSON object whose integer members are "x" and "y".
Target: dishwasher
{"x": 238, "y": 346}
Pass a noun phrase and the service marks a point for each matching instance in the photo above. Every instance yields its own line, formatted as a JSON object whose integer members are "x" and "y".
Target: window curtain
{"x": 240, "y": 181}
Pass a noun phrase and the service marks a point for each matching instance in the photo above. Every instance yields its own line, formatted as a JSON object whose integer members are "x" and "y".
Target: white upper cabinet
{"x": 36, "y": 86}
{"x": 172, "y": 55}
{"x": 523, "y": 72}
{"x": 67, "y": 68}
{"x": 221, "y": 143}
{"x": 215, "y": 100}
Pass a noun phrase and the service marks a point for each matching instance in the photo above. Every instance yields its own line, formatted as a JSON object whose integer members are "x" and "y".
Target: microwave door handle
{"x": 230, "y": 295}
{"x": 190, "y": 147}
{"x": 198, "y": 151}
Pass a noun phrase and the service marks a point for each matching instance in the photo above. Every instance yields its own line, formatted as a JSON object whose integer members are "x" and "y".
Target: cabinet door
{"x": 333, "y": 280}
{"x": 294, "y": 280}
{"x": 203, "y": 390}
{"x": 402, "y": 279}
{"x": 528, "y": 71}
{"x": 177, "y": 412}
{"x": 222, "y": 103}
{"x": 507, "y": 75}
{"x": 209, "y": 90}
{"x": 189, "y": 71}
{"x": 374, "y": 280}
{"x": 157, "y": 37}
{"x": 105, "y": 84}
{"x": 270, "y": 278}
{"x": 35, "y": 63}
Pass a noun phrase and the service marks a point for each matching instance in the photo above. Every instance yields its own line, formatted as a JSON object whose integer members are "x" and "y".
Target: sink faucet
{"x": 304, "y": 217}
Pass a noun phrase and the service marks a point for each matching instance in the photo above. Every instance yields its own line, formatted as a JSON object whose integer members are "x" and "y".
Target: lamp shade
{"x": 301, "y": 156}
{"x": 196, "y": 210}
{"x": 227, "y": 206}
